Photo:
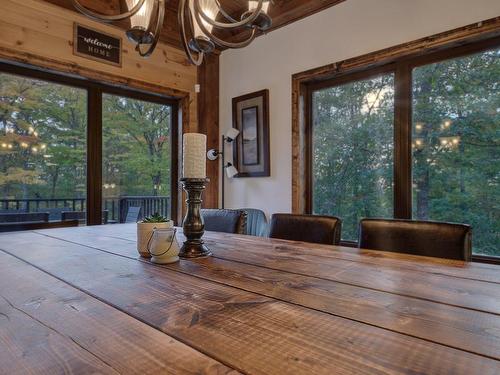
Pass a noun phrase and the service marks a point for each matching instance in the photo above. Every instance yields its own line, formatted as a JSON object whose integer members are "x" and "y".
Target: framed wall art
{"x": 251, "y": 148}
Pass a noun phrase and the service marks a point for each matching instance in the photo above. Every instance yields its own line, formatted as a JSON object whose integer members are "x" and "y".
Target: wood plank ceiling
{"x": 282, "y": 12}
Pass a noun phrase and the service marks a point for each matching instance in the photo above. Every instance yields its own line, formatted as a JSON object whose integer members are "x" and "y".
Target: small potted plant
{"x": 145, "y": 231}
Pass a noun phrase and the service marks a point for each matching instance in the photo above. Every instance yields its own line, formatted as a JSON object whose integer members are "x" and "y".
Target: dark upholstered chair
{"x": 20, "y": 217}
{"x": 81, "y": 216}
{"x": 306, "y": 228}
{"x": 14, "y": 227}
{"x": 256, "y": 222}
{"x": 133, "y": 214}
{"x": 428, "y": 238}
{"x": 228, "y": 221}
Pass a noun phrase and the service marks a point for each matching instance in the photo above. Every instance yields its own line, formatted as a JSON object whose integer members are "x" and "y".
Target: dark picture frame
{"x": 251, "y": 149}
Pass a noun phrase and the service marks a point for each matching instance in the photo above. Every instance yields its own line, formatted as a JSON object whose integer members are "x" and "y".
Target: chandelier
{"x": 201, "y": 24}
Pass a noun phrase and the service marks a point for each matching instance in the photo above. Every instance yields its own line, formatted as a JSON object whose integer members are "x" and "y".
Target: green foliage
{"x": 43, "y": 131}
{"x": 155, "y": 218}
{"x": 353, "y": 151}
{"x": 456, "y": 148}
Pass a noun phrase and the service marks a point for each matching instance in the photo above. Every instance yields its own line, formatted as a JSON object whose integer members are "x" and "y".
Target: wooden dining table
{"x": 81, "y": 301}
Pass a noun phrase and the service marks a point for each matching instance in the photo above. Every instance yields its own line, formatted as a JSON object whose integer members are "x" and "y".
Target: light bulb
{"x": 210, "y": 8}
{"x": 143, "y": 17}
{"x": 231, "y": 171}
{"x": 231, "y": 134}
{"x": 252, "y": 5}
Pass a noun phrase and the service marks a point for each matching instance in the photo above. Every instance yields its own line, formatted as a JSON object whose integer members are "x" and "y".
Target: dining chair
{"x": 228, "y": 221}
{"x": 54, "y": 213}
{"x": 81, "y": 216}
{"x": 15, "y": 227}
{"x": 20, "y": 217}
{"x": 306, "y": 228}
{"x": 256, "y": 222}
{"x": 427, "y": 238}
{"x": 133, "y": 214}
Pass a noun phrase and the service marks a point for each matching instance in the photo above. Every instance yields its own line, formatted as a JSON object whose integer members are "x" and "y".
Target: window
{"x": 361, "y": 164}
{"x": 77, "y": 149}
{"x": 353, "y": 151}
{"x": 456, "y": 145}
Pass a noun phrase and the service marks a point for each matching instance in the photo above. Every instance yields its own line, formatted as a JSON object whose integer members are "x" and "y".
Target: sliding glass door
{"x": 136, "y": 158}
{"x": 75, "y": 149}
{"x": 43, "y": 127}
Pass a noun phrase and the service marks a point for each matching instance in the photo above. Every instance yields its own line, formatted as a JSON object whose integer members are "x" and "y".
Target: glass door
{"x": 137, "y": 162}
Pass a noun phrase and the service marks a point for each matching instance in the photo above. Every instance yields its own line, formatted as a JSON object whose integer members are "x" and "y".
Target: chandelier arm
{"x": 221, "y": 42}
{"x": 160, "y": 9}
{"x": 236, "y": 45}
{"x": 223, "y": 25}
{"x": 106, "y": 18}
{"x": 181, "y": 17}
{"x": 224, "y": 13}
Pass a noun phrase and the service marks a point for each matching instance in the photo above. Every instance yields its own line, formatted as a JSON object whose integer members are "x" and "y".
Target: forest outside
{"x": 43, "y": 127}
{"x": 455, "y": 148}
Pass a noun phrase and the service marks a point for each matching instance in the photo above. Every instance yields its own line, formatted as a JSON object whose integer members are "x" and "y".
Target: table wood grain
{"x": 258, "y": 306}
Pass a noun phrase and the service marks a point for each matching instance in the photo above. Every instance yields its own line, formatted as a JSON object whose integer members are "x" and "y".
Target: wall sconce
{"x": 214, "y": 154}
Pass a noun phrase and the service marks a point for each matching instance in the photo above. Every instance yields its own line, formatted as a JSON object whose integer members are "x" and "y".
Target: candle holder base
{"x": 194, "y": 249}
{"x": 193, "y": 225}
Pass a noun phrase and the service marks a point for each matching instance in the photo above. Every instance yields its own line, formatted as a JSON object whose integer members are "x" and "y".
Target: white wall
{"x": 353, "y": 28}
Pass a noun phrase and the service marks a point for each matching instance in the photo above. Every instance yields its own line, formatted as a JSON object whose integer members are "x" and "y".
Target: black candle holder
{"x": 193, "y": 224}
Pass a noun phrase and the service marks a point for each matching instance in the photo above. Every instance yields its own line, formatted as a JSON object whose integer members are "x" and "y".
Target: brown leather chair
{"x": 228, "y": 221}
{"x": 306, "y": 228}
{"x": 427, "y": 238}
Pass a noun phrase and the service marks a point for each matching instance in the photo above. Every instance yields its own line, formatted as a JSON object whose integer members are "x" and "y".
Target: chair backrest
{"x": 428, "y": 238}
{"x": 82, "y": 216}
{"x": 54, "y": 213}
{"x": 133, "y": 214}
{"x": 74, "y": 215}
{"x": 14, "y": 227}
{"x": 20, "y": 217}
{"x": 256, "y": 222}
{"x": 228, "y": 221}
{"x": 306, "y": 228}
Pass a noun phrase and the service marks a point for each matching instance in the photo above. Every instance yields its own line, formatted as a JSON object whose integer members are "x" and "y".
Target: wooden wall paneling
{"x": 208, "y": 120}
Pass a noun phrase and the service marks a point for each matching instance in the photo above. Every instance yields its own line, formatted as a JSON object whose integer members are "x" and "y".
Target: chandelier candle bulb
{"x": 194, "y": 153}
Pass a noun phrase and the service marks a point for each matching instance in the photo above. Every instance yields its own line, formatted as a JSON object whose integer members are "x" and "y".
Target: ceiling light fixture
{"x": 197, "y": 22}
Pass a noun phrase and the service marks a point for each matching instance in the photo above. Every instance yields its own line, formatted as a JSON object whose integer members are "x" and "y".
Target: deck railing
{"x": 117, "y": 206}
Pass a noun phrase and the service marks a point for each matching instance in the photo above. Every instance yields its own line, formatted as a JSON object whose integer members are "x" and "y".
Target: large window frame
{"x": 95, "y": 91}
{"x": 306, "y": 83}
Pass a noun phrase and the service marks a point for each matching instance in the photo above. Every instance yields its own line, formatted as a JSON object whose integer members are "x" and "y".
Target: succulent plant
{"x": 155, "y": 218}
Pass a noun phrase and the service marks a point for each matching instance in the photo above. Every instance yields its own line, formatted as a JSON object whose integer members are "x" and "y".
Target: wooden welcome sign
{"x": 97, "y": 46}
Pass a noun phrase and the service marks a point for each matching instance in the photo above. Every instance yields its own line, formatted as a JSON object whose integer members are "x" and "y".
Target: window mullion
{"x": 94, "y": 156}
{"x": 402, "y": 139}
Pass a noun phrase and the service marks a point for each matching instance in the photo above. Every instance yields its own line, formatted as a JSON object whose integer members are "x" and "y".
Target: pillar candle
{"x": 194, "y": 154}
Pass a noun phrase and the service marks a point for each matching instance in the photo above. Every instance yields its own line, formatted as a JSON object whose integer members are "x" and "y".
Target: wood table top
{"x": 80, "y": 300}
